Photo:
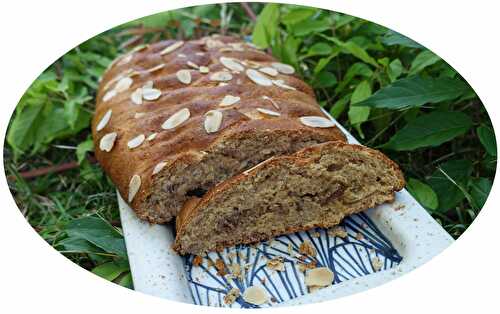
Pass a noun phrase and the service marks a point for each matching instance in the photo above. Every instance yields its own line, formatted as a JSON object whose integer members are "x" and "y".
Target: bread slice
{"x": 315, "y": 187}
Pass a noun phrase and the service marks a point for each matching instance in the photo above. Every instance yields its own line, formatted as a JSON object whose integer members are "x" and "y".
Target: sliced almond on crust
{"x": 156, "y": 68}
{"x": 213, "y": 43}
{"x": 123, "y": 84}
{"x": 110, "y": 94}
{"x": 107, "y": 142}
{"x": 258, "y": 78}
{"x": 272, "y": 102}
{"x": 159, "y": 167}
{"x": 151, "y": 93}
{"x": 193, "y": 65}
{"x": 269, "y": 112}
{"x": 221, "y": 76}
{"x": 282, "y": 84}
{"x": 229, "y": 100}
{"x": 176, "y": 119}
{"x": 231, "y": 64}
{"x": 136, "y": 141}
{"x": 255, "y": 295}
{"x": 321, "y": 276}
{"x": 139, "y": 115}
{"x": 136, "y": 96}
{"x": 133, "y": 187}
{"x": 269, "y": 71}
{"x": 172, "y": 47}
{"x": 125, "y": 59}
{"x": 184, "y": 76}
{"x": 204, "y": 69}
{"x": 213, "y": 121}
{"x": 148, "y": 84}
{"x": 317, "y": 122}
{"x": 283, "y": 68}
{"x": 104, "y": 120}
{"x": 151, "y": 136}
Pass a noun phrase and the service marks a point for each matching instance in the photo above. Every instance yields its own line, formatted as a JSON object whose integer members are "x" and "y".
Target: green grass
{"x": 387, "y": 90}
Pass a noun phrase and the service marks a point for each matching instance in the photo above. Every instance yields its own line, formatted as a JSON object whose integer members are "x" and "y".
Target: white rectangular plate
{"x": 382, "y": 244}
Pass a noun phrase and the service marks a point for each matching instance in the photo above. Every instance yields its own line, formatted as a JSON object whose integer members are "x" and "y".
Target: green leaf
{"x": 487, "y": 138}
{"x": 354, "y": 49}
{"x": 416, "y": 91}
{"x": 339, "y": 106}
{"x": 266, "y": 26}
{"x": 23, "y": 129}
{"x": 357, "y": 115}
{"x": 422, "y": 193}
{"x": 111, "y": 270}
{"x": 423, "y": 60}
{"x": 479, "y": 190}
{"x": 395, "y": 69}
{"x": 78, "y": 245}
{"x": 98, "y": 232}
{"x": 83, "y": 148}
{"x": 392, "y": 38}
{"x": 357, "y": 69}
{"x": 297, "y": 15}
{"x": 319, "y": 49}
{"x": 126, "y": 281}
{"x": 323, "y": 62}
{"x": 324, "y": 79}
{"x": 448, "y": 192}
{"x": 307, "y": 27}
{"x": 430, "y": 130}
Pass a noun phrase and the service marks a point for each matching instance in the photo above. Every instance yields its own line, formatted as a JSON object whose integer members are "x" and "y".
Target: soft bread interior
{"x": 288, "y": 194}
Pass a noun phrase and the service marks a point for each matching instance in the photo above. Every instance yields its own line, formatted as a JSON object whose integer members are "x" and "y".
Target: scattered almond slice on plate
{"x": 255, "y": 295}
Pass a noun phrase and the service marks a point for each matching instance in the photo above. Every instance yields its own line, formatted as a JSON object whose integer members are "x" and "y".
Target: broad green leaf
{"x": 307, "y": 27}
{"x": 79, "y": 245}
{"x": 430, "y": 130}
{"x": 111, "y": 270}
{"x": 395, "y": 69}
{"x": 323, "y": 62}
{"x": 487, "y": 138}
{"x": 289, "y": 50}
{"x": 98, "y": 232}
{"x": 83, "y": 148}
{"x": 422, "y": 193}
{"x": 126, "y": 281}
{"x": 448, "y": 192}
{"x": 354, "y": 49}
{"x": 357, "y": 115}
{"x": 266, "y": 26}
{"x": 479, "y": 190}
{"x": 392, "y": 38}
{"x": 324, "y": 79}
{"x": 357, "y": 69}
{"x": 416, "y": 91}
{"x": 297, "y": 15}
{"x": 423, "y": 60}
{"x": 342, "y": 19}
{"x": 23, "y": 129}
{"x": 339, "y": 106}
{"x": 320, "y": 49}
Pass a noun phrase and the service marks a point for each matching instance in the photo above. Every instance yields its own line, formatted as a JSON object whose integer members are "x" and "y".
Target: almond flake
{"x": 229, "y": 100}
{"x": 317, "y": 122}
{"x": 204, "y": 69}
{"x": 176, "y": 119}
{"x": 222, "y": 84}
{"x": 136, "y": 141}
{"x": 123, "y": 84}
{"x": 212, "y": 43}
{"x": 231, "y": 296}
{"x": 125, "y": 59}
{"x": 104, "y": 121}
{"x": 156, "y": 68}
{"x": 107, "y": 142}
{"x": 251, "y": 64}
{"x": 269, "y": 71}
{"x": 337, "y": 231}
{"x": 258, "y": 78}
{"x": 307, "y": 248}
{"x": 151, "y": 93}
{"x": 255, "y": 295}
{"x": 199, "y": 53}
{"x": 148, "y": 85}
{"x": 136, "y": 96}
{"x": 269, "y": 112}
{"x": 110, "y": 94}
{"x": 159, "y": 167}
{"x": 184, "y": 76}
{"x": 151, "y": 136}
{"x": 321, "y": 276}
{"x": 139, "y": 47}
{"x": 171, "y": 48}
{"x": 213, "y": 121}
{"x": 237, "y": 46}
{"x": 133, "y": 187}
{"x": 377, "y": 263}
{"x": 276, "y": 264}
{"x": 272, "y": 102}
{"x": 139, "y": 115}
{"x": 221, "y": 76}
{"x": 283, "y": 68}
{"x": 231, "y": 64}
{"x": 181, "y": 55}
{"x": 193, "y": 65}
{"x": 281, "y": 83}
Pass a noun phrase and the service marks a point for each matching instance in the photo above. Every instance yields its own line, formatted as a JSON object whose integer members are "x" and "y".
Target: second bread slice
{"x": 315, "y": 187}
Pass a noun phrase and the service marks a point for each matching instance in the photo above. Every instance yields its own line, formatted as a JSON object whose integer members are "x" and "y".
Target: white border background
{"x": 34, "y": 277}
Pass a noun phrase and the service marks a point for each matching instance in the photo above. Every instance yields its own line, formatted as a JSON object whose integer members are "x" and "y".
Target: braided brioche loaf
{"x": 174, "y": 118}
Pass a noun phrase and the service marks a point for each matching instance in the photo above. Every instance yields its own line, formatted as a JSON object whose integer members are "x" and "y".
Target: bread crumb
{"x": 210, "y": 263}
{"x": 305, "y": 266}
{"x": 316, "y": 234}
{"x": 235, "y": 269}
{"x": 255, "y": 295}
{"x": 321, "y": 276}
{"x": 337, "y": 231}
{"x": 377, "y": 263}
{"x": 221, "y": 269}
{"x": 290, "y": 248}
{"x": 197, "y": 261}
{"x": 306, "y": 248}
{"x": 276, "y": 263}
{"x": 359, "y": 236}
{"x": 231, "y": 296}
